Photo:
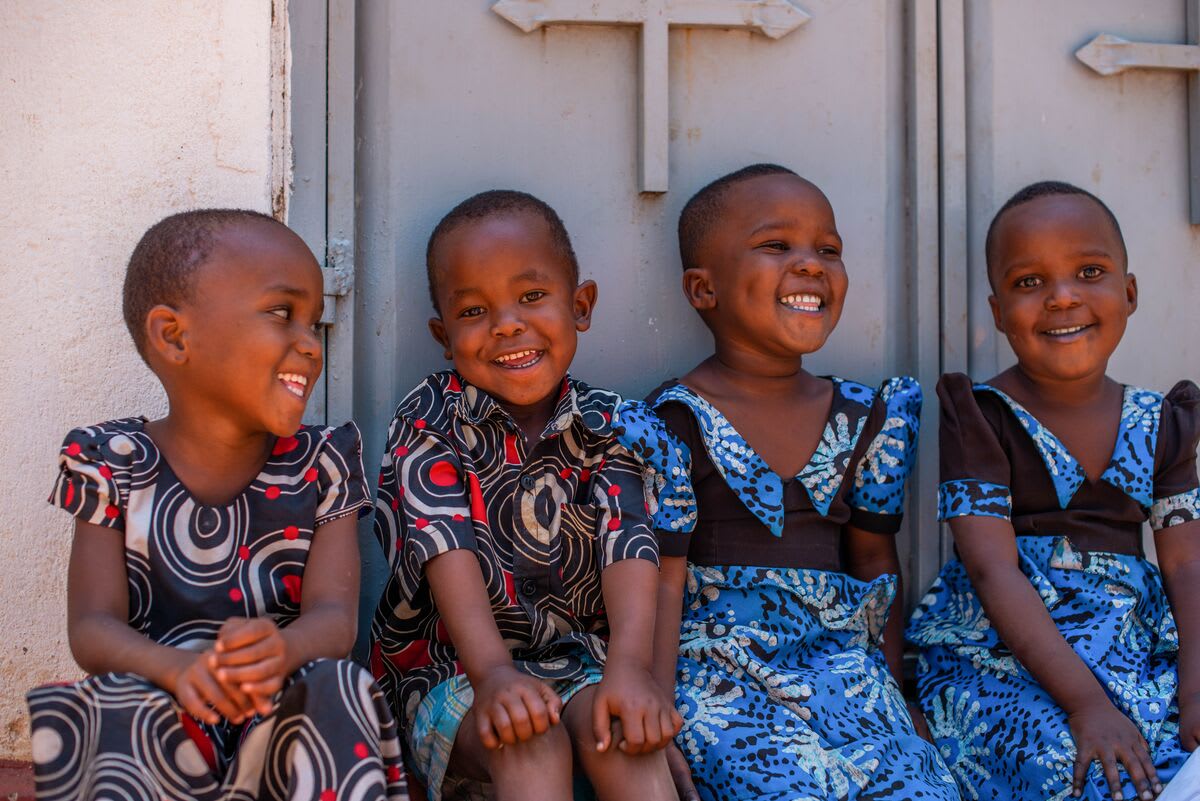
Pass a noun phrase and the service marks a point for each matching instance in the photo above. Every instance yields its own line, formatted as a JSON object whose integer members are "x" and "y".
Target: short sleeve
{"x": 340, "y": 474}
{"x": 618, "y": 490}
{"x": 877, "y": 495}
{"x": 975, "y": 472}
{"x": 91, "y": 472}
{"x": 1176, "y": 487}
{"x": 666, "y": 461}
{"x": 425, "y": 502}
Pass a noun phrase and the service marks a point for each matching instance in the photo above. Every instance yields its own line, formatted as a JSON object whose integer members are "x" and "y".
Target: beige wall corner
{"x": 115, "y": 115}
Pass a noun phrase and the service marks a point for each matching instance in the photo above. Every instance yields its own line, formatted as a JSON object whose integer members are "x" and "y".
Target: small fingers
{"x": 633, "y": 728}
{"x": 1152, "y": 786}
{"x": 518, "y": 713}
{"x": 1108, "y": 761}
{"x": 210, "y": 690}
{"x": 486, "y": 732}
{"x": 503, "y": 725}
{"x": 246, "y": 674}
{"x": 601, "y": 723}
{"x": 1082, "y": 763}
{"x": 552, "y": 701}
{"x": 676, "y": 722}
{"x": 190, "y": 700}
{"x": 261, "y": 650}
{"x": 240, "y": 632}
{"x": 1132, "y": 761}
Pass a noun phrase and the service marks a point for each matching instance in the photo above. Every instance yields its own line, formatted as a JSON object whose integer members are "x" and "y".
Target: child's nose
{"x": 1061, "y": 295}
{"x": 507, "y": 323}
{"x": 807, "y": 263}
{"x": 309, "y": 343}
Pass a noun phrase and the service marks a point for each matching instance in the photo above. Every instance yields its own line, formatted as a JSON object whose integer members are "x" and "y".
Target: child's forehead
{"x": 253, "y": 252}
{"x": 1056, "y": 218}
{"x": 781, "y": 197}
{"x": 469, "y": 253}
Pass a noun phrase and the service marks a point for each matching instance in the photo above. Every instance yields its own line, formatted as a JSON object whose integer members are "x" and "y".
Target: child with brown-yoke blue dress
{"x": 514, "y": 635}
{"x": 213, "y": 583}
{"x": 1056, "y": 659}
{"x": 780, "y": 494}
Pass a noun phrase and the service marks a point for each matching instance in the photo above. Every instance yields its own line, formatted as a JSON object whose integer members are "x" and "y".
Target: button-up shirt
{"x": 544, "y": 521}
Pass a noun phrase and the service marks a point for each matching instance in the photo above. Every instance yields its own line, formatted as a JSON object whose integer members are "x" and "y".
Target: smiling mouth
{"x": 294, "y": 383}
{"x": 1066, "y": 331}
{"x": 520, "y": 359}
{"x": 804, "y": 301}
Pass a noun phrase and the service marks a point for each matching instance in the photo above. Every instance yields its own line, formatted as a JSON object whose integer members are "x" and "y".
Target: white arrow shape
{"x": 772, "y": 18}
{"x": 1112, "y": 55}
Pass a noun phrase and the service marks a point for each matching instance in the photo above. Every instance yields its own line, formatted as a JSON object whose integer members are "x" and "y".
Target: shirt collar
{"x": 475, "y": 406}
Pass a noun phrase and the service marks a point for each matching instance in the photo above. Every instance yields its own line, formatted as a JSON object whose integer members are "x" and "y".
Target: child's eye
{"x": 471, "y": 311}
{"x": 774, "y": 245}
{"x": 533, "y": 295}
{"x": 283, "y": 312}
{"x": 829, "y": 250}
{"x": 1028, "y": 282}
{"x": 1091, "y": 271}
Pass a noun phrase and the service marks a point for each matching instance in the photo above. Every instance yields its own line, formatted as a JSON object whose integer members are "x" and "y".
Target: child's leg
{"x": 331, "y": 735}
{"x": 538, "y": 768}
{"x": 118, "y": 735}
{"x": 615, "y": 775}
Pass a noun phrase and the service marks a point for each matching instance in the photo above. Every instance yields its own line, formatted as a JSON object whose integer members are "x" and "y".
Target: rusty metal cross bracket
{"x": 772, "y": 18}
{"x": 1112, "y": 55}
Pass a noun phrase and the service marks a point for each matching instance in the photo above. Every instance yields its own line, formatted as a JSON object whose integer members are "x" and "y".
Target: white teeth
{"x": 293, "y": 383}
{"x": 512, "y": 357}
{"x": 803, "y": 301}
{"x": 1060, "y": 332}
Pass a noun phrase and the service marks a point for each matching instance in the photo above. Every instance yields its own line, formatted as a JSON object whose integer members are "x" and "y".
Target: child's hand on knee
{"x": 1102, "y": 733}
{"x": 205, "y": 697}
{"x": 511, "y": 707}
{"x": 628, "y": 692}
{"x": 251, "y": 655}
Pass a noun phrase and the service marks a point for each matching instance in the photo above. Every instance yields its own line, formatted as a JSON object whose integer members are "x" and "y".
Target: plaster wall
{"x": 112, "y": 115}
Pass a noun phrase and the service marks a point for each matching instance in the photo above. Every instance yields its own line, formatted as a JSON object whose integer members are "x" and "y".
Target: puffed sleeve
{"x": 93, "y": 476}
{"x": 618, "y": 491}
{"x": 667, "y": 461}
{"x": 425, "y": 502}
{"x": 340, "y": 474}
{"x": 877, "y": 495}
{"x": 975, "y": 472}
{"x": 1176, "y": 488}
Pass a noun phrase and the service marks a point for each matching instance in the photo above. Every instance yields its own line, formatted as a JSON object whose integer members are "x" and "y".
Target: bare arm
{"x": 869, "y": 556}
{"x": 328, "y": 621}
{"x": 509, "y": 706}
{"x": 987, "y": 547}
{"x": 1179, "y": 558}
{"x": 668, "y": 617}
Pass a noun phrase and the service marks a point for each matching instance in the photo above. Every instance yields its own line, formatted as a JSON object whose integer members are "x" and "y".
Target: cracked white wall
{"x": 112, "y": 115}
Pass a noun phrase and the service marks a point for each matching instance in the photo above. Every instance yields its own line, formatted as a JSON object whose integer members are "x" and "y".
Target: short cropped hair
{"x": 497, "y": 203}
{"x": 1047, "y": 189}
{"x": 163, "y": 266}
{"x": 701, "y": 213}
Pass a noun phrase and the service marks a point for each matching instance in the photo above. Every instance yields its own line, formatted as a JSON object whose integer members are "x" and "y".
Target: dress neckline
{"x": 1129, "y": 467}
{"x": 759, "y": 487}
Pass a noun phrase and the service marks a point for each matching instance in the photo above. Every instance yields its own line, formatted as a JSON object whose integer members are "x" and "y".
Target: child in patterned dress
{"x": 514, "y": 635}
{"x": 1051, "y": 662}
{"x": 213, "y": 582}
{"x": 780, "y": 495}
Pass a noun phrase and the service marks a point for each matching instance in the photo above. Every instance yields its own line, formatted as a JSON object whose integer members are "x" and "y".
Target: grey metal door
{"x": 918, "y": 118}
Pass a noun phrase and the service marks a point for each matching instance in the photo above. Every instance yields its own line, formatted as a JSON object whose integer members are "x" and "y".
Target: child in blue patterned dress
{"x": 780, "y": 493}
{"x": 1051, "y": 662}
{"x": 212, "y": 592}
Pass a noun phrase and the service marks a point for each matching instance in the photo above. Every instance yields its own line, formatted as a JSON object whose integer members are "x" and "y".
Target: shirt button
{"x": 528, "y": 482}
{"x": 529, "y": 587}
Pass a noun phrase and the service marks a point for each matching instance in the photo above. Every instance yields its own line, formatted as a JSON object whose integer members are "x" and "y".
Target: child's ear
{"x": 995, "y": 304}
{"x": 166, "y": 334}
{"x": 585, "y": 301}
{"x": 1131, "y": 291}
{"x": 438, "y": 329}
{"x": 698, "y": 289}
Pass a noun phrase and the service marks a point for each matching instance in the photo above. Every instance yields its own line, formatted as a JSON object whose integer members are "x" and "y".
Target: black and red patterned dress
{"x": 190, "y": 567}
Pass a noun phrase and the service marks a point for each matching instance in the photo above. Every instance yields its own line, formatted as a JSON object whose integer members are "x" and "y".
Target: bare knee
{"x": 535, "y": 769}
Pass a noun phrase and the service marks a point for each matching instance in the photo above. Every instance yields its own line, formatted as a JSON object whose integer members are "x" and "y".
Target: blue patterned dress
{"x": 1079, "y": 543}
{"x": 783, "y": 687}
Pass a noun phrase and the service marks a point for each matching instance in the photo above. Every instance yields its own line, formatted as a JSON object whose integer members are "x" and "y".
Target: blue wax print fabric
{"x": 1000, "y": 733}
{"x": 784, "y": 690}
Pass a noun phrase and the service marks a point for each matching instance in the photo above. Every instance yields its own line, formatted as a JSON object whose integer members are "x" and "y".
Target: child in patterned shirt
{"x": 514, "y": 635}
{"x": 214, "y": 674}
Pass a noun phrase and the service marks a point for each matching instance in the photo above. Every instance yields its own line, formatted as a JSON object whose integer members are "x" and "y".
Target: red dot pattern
{"x": 272, "y": 493}
{"x": 291, "y": 532}
{"x": 310, "y": 475}
{"x": 243, "y": 553}
{"x": 614, "y": 490}
{"x": 614, "y": 524}
{"x": 235, "y": 595}
{"x": 419, "y": 424}
{"x": 361, "y": 751}
{"x": 401, "y": 451}
{"x": 565, "y": 473}
{"x": 112, "y": 512}
{"x": 105, "y": 471}
{"x": 74, "y": 449}
{"x": 421, "y": 522}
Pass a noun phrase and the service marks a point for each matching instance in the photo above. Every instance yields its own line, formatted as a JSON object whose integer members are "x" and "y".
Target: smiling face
{"x": 1061, "y": 293}
{"x": 510, "y": 313}
{"x": 770, "y": 278}
{"x": 245, "y": 346}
